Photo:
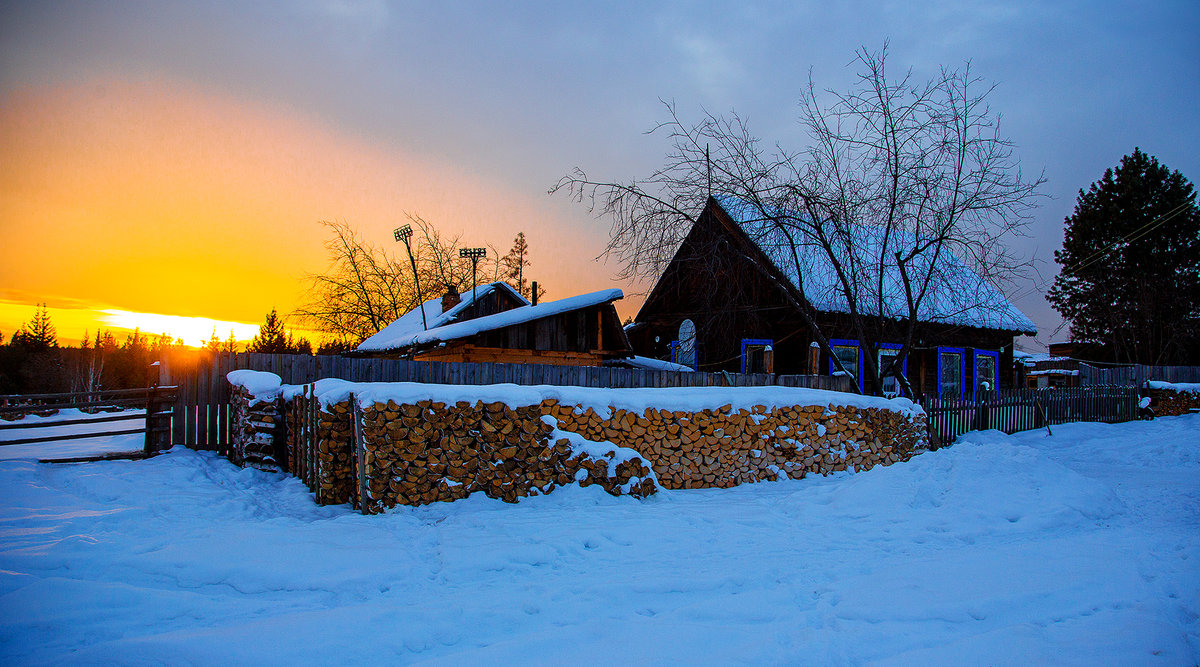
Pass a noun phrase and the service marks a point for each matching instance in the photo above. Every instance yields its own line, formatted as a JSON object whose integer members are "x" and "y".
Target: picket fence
{"x": 1019, "y": 410}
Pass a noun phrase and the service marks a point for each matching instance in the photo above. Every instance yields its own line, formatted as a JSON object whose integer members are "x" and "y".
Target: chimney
{"x": 533, "y": 301}
{"x": 450, "y": 299}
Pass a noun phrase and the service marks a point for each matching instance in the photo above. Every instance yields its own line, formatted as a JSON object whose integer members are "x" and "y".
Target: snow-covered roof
{"x": 410, "y": 323}
{"x": 957, "y": 295}
{"x": 401, "y": 333}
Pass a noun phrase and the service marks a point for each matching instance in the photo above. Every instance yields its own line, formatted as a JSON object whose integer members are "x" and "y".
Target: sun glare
{"x": 194, "y": 331}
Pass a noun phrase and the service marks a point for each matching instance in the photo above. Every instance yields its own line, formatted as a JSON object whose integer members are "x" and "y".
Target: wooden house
{"x": 496, "y": 324}
{"x": 720, "y": 305}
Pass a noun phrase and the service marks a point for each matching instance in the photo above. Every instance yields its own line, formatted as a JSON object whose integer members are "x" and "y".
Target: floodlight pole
{"x": 404, "y": 234}
{"x": 473, "y": 254}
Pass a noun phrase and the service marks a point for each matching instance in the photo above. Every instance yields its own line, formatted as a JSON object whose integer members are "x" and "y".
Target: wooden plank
{"x": 214, "y": 382}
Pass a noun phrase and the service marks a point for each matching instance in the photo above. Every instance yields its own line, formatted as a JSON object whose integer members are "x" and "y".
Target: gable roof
{"x": 402, "y": 334}
{"x": 957, "y": 295}
{"x": 411, "y": 323}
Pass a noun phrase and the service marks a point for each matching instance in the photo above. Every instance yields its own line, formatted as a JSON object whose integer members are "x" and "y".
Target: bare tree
{"x": 367, "y": 286}
{"x": 905, "y": 190}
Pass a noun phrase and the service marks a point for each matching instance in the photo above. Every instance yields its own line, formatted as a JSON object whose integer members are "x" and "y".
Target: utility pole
{"x": 404, "y": 234}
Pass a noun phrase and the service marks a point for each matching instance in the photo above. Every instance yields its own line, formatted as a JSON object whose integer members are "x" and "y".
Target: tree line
{"x": 33, "y": 361}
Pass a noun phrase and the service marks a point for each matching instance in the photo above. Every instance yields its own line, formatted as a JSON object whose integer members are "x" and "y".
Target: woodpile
{"x": 430, "y": 451}
{"x": 389, "y": 453}
{"x": 256, "y": 428}
{"x": 320, "y": 441}
{"x": 1172, "y": 402}
{"x": 724, "y": 447}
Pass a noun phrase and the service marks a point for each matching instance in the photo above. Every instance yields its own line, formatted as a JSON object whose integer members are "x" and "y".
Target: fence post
{"x": 149, "y": 446}
{"x": 360, "y": 453}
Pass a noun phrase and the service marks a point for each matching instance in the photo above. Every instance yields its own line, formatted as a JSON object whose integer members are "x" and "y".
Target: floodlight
{"x": 472, "y": 253}
{"x": 403, "y": 233}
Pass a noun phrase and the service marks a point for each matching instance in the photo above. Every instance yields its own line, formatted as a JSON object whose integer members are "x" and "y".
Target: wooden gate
{"x": 158, "y": 403}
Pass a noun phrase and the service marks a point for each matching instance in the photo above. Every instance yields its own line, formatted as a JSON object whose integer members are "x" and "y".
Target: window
{"x": 950, "y": 370}
{"x": 887, "y": 352}
{"x": 757, "y": 355}
{"x": 986, "y": 370}
{"x": 847, "y": 352}
{"x": 683, "y": 349}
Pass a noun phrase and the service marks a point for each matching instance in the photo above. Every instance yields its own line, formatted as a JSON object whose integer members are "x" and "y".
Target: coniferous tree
{"x": 1130, "y": 275}
{"x": 213, "y": 344}
{"x": 39, "y": 333}
{"x": 512, "y": 267}
{"x": 230, "y": 344}
{"x": 271, "y": 338}
{"x": 334, "y": 346}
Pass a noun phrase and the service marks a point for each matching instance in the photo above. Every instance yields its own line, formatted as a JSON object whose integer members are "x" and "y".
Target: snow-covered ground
{"x": 1081, "y": 548}
{"x": 99, "y": 445}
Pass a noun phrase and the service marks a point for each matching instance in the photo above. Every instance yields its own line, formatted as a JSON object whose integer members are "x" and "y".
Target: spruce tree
{"x": 271, "y": 338}
{"x": 1130, "y": 275}
{"x": 39, "y": 333}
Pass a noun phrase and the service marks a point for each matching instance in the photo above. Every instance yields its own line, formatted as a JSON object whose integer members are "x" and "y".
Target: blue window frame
{"x": 951, "y": 379}
{"x": 754, "y": 343}
{"x": 890, "y": 384}
{"x": 852, "y": 361}
{"x": 993, "y": 377}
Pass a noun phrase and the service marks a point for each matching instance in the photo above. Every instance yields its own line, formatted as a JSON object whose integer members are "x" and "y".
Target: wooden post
{"x": 360, "y": 452}
{"x": 149, "y": 446}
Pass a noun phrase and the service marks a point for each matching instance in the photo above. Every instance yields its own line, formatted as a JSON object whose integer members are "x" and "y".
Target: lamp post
{"x": 473, "y": 254}
{"x": 404, "y": 234}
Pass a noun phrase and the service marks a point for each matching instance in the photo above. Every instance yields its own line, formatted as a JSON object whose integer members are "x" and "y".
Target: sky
{"x": 176, "y": 158}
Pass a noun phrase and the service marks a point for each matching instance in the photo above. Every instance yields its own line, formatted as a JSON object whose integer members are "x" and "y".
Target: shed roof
{"x": 408, "y": 332}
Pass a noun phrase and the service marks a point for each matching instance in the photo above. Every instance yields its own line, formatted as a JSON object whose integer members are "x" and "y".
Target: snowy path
{"x": 1081, "y": 548}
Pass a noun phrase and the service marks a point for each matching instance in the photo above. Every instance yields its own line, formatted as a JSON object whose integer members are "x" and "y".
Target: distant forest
{"x": 32, "y": 361}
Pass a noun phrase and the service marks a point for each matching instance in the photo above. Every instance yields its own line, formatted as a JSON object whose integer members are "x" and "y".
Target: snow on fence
{"x": 377, "y": 445}
{"x": 203, "y": 418}
{"x": 1023, "y": 409}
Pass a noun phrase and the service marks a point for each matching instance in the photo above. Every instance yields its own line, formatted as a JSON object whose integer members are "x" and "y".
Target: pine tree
{"x": 512, "y": 267}
{"x": 271, "y": 338}
{"x": 213, "y": 344}
{"x": 230, "y": 344}
{"x": 1130, "y": 275}
{"x": 39, "y": 334}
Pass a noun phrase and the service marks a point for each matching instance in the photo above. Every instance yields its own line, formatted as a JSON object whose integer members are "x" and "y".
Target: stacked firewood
{"x": 255, "y": 432}
{"x": 425, "y": 452}
{"x": 320, "y": 441}
{"x": 724, "y": 447}
{"x": 1172, "y": 402}
{"x": 428, "y": 451}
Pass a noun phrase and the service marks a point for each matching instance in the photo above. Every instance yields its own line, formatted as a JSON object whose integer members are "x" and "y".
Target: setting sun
{"x": 193, "y": 330}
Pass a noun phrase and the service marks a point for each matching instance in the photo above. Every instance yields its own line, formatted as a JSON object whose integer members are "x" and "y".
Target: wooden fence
{"x": 1024, "y": 409}
{"x": 158, "y": 403}
{"x": 1136, "y": 374}
{"x": 202, "y": 410}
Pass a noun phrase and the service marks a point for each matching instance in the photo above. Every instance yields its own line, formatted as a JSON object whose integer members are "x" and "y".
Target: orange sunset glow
{"x": 176, "y": 208}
